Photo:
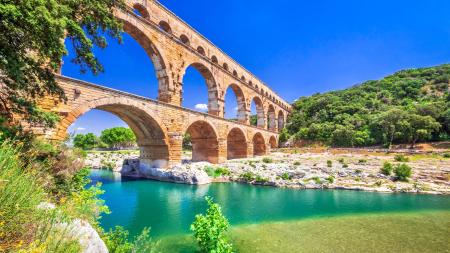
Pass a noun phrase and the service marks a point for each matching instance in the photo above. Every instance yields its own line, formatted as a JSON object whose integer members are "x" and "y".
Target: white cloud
{"x": 236, "y": 108}
{"x": 201, "y": 107}
{"x": 81, "y": 128}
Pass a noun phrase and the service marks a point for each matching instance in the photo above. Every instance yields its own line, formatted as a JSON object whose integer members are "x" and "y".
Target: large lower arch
{"x": 213, "y": 96}
{"x": 236, "y": 144}
{"x": 205, "y": 144}
{"x": 259, "y": 145}
{"x": 240, "y": 99}
{"x": 150, "y": 134}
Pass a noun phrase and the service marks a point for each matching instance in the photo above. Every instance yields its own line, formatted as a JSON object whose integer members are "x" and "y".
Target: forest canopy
{"x": 406, "y": 107}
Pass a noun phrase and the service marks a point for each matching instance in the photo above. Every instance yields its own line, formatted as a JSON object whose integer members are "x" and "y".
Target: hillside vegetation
{"x": 406, "y": 107}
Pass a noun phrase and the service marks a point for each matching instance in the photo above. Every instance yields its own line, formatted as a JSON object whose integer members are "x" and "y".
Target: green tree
{"x": 187, "y": 142}
{"x": 209, "y": 230}
{"x": 118, "y": 137}
{"x": 391, "y": 124}
{"x": 86, "y": 141}
{"x": 32, "y": 47}
{"x": 421, "y": 128}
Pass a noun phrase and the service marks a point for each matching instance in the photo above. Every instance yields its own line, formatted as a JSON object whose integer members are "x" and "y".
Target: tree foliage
{"x": 406, "y": 107}
{"x": 209, "y": 230}
{"x": 118, "y": 137}
{"x": 32, "y": 47}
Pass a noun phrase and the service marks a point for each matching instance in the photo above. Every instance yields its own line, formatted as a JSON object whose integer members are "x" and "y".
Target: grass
{"x": 387, "y": 232}
{"x": 217, "y": 172}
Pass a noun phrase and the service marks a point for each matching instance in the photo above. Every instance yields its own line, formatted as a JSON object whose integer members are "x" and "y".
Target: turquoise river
{"x": 169, "y": 208}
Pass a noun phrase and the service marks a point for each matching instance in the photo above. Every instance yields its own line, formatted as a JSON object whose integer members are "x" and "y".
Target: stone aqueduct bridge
{"x": 159, "y": 125}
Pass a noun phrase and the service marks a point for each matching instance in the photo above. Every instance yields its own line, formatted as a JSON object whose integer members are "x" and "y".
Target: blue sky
{"x": 298, "y": 47}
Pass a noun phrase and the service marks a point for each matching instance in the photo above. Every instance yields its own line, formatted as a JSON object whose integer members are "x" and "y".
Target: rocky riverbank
{"x": 430, "y": 173}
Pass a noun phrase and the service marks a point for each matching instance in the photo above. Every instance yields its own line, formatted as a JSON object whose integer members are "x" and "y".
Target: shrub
{"x": 117, "y": 241}
{"x": 330, "y": 179}
{"x": 329, "y": 163}
{"x": 362, "y": 161}
{"x": 344, "y": 165}
{"x": 217, "y": 172}
{"x": 285, "y": 176}
{"x": 341, "y": 160}
{"x": 402, "y": 172}
{"x": 210, "y": 228}
{"x": 297, "y": 163}
{"x": 261, "y": 179}
{"x": 401, "y": 158}
{"x": 446, "y": 155}
{"x": 248, "y": 176}
{"x": 317, "y": 180}
{"x": 267, "y": 160}
{"x": 387, "y": 169}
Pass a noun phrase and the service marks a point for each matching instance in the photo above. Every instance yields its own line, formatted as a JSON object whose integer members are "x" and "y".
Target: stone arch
{"x": 259, "y": 111}
{"x": 259, "y": 145}
{"x": 243, "y": 78}
{"x": 236, "y": 144}
{"x": 213, "y": 94}
{"x": 150, "y": 132}
{"x": 273, "y": 142}
{"x": 235, "y": 73}
{"x": 163, "y": 25}
{"x": 271, "y": 118}
{"x": 201, "y": 50}
{"x": 240, "y": 98}
{"x": 142, "y": 10}
{"x": 281, "y": 120}
{"x": 185, "y": 39}
{"x": 205, "y": 144}
{"x": 225, "y": 66}
{"x": 214, "y": 59}
{"x": 158, "y": 60}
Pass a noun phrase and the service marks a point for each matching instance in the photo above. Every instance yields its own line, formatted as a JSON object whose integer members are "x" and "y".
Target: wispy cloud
{"x": 81, "y": 128}
{"x": 201, "y": 107}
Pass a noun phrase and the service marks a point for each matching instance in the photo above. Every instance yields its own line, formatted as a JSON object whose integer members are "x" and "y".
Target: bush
{"x": 344, "y": 165}
{"x": 261, "y": 179}
{"x": 117, "y": 241}
{"x": 401, "y": 158}
{"x": 341, "y": 160}
{"x": 330, "y": 179}
{"x": 387, "y": 169}
{"x": 217, "y": 172}
{"x": 210, "y": 228}
{"x": 402, "y": 172}
{"x": 267, "y": 160}
{"x": 285, "y": 176}
{"x": 297, "y": 163}
{"x": 362, "y": 161}
{"x": 248, "y": 176}
{"x": 329, "y": 163}
{"x": 446, "y": 155}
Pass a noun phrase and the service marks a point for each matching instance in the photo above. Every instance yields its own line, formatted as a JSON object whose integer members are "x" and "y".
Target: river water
{"x": 169, "y": 208}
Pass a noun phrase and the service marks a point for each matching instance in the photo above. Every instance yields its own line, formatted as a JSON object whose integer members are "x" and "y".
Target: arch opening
{"x": 163, "y": 25}
{"x": 141, "y": 11}
{"x": 236, "y": 144}
{"x": 273, "y": 142}
{"x": 214, "y": 59}
{"x": 194, "y": 80}
{"x": 259, "y": 145}
{"x": 235, "y": 104}
{"x": 201, "y": 50}
{"x": 280, "y": 120}
{"x": 151, "y": 139}
{"x": 185, "y": 40}
{"x": 130, "y": 69}
{"x": 271, "y": 119}
{"x": 204, "y": 142}
{"x": 257, "y": 117}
